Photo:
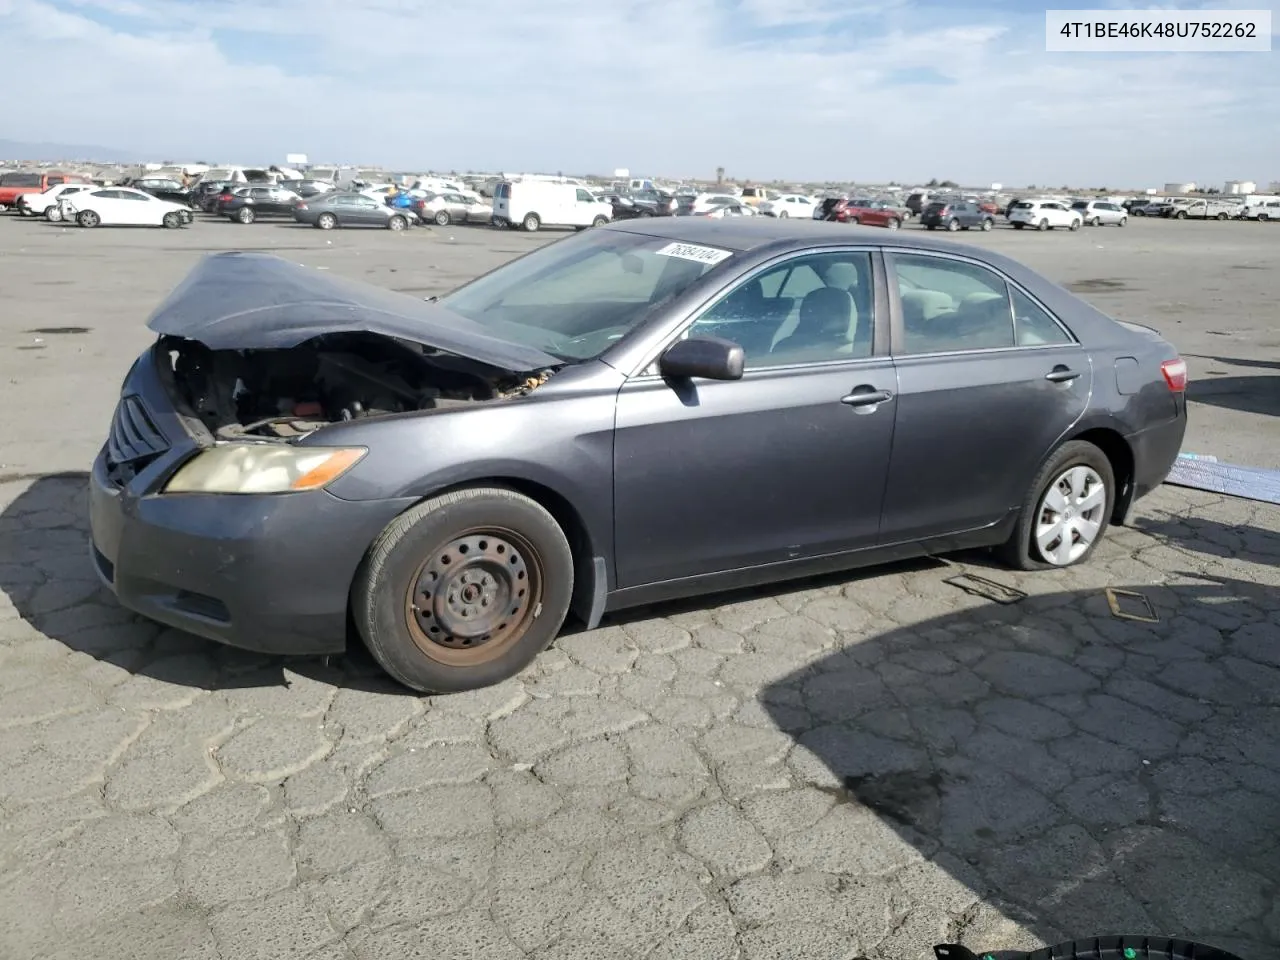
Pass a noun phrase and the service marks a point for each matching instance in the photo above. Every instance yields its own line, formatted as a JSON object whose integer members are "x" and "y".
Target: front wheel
{"x": 987, "y": 225}
{"x": 1066, "y": 512}
{"x": 1075, "y": 225}
{"x": 171, "y": 220}
{"x": 1042, "y": 225}
{"x": 327, "y": 221}
{"x": 894, "y": 224}
{"x": 87, "y": 218}
{"x": 442, "y": 218}
{"x": 782, "y": 214}
{"x": 953, "y": 226}
{"x": 397, "y": 223}
{"x": 1095, "y": 222}
{"x": 1221, "y": 216}
{"x": 465, "y": 590}
{"x": 1123, "y": 221}
{"x": 245, "y": 215}
{"x": 1018, "y": 226}
{"x": 1181, "y": 215}
{"x": 599, "y": 221}
{"x": 53, "y": 215}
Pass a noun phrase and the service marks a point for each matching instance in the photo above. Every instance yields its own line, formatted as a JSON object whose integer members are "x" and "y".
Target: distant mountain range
{"x": 50, "y": 152}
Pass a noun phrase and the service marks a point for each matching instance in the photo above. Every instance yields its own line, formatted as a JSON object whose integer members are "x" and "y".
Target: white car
{"x": 1044, "y": 215}
{"x": 1101, "y": 213}
{"x": 122, "y": 207}
{"x": 789, "y": 205}
{"x": 734, "y": 209}
{"x": 706, "y": 202}
{"x": 46, "y": 204}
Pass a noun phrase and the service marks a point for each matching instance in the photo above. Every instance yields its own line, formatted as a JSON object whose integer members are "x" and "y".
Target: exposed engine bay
{"x": 288, "y": 393}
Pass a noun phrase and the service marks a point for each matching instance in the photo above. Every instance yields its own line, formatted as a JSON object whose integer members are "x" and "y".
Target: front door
{"x": 786, "y": 463}
{"x": 988, "y": 382}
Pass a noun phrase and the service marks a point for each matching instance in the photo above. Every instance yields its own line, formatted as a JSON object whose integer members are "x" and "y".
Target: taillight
{"x": 301, "y": 206}
{"x": 1175, "y": 374}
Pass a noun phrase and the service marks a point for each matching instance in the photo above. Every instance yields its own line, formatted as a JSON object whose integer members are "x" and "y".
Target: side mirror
{"x": 707, "y": 358}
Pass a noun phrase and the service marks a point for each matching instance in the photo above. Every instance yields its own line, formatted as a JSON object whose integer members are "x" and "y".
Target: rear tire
{"x": 1031, "y": 545}
{"x": 599, "y": 221}
{"x": 1042, "y": 225}
{"x": 894, "y": 224}
{"x": 397, "y": 224}
{"x": 1018, "y": 226}
{"x": 171, "y": 220}
{"x": 87, "y": 218}
{"x": 1075, "y": 225}
{"x": 245, "y": 215}
{"x": 953, "y": 226}
{"x": 422, "y": 597}
{"x": 442, "y": 219}
{"x": 1123, "y": 221}
{"x": 532, "y": 222}
{"x": 53, "y": 215}
{"x": 326, "y": 221}
{"x": 987, "y": 225}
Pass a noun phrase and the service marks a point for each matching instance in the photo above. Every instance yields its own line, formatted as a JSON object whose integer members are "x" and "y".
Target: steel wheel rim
{"x": 1070, "y": 515}
{"x": 473, "y": 598}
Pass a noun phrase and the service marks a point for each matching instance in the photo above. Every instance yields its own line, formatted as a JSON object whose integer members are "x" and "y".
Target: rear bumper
{"x": 1155, "y": 450}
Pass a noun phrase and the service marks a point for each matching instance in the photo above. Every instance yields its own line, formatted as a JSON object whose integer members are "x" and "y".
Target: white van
{"x": 1260, "y": 206}
{"x": 532, "y": 204}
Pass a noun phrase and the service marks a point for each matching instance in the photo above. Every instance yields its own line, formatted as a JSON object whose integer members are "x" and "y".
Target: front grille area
{"x": 134, "y": 440}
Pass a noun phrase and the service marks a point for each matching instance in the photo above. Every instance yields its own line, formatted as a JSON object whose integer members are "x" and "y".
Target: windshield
{"x": 576, "y": 298}
{"x": 1080, "y": 205}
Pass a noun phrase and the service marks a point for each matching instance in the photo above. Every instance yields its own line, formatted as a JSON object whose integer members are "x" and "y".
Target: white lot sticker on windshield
{"x": 691, "y": 251}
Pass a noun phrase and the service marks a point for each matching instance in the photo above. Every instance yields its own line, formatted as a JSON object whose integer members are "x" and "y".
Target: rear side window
{"x": 949, "y": 306}
{"x": 1024, "y": 205}
{"x": 1033, "y": 326}
{"x": 502, "y": 191}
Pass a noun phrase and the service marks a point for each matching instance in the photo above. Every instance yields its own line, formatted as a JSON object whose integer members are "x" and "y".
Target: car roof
{"x": 786, "y": 234}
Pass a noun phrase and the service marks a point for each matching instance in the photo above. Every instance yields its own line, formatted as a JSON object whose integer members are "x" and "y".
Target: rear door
{"x": 788, "y": 462}
{"x": 502, "y": 201}
{"x": 988, "y": 382}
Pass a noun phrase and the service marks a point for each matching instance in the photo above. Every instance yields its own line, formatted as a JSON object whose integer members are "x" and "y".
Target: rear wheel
{"x": 532, "y": 222}
{"x": 171, "y": 220}
{"x": 1018, "y": 226}
{"x": 894, "y": 224}
{"x": 782, "y": 214}
{"x": 953, "y": 226}
{"x": 53, "y": 214}
{"x": 397, "y": 223}
{"x": 1123, "y": 221}
{"x": 1262, "y": 218}
{"x": 326, "y": 221}
{"x": 1042, "y": 225}
{"x": 87, "y": 218}
{"x": 987, "y": 225}
{"x": 599, "y": 221}
{"x": 1181, "y": 215}
{"x": 1094, "y": 221}
{"x": 245, "y": 215}
{"x": 1075, "y": 225}
{"x": 442, "y": 218}
{"x": 1221, "y": 216}
{"x": 465, "y": 590}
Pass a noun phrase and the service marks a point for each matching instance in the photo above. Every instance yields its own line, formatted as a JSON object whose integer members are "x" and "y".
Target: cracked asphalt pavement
{"x": 864, "y": 764}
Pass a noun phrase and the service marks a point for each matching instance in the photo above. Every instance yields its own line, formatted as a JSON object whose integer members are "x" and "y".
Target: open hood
{"x": 256, "y": 301}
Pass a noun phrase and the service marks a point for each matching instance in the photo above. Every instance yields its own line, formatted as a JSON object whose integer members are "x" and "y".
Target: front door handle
{"x": 1061, "y": 374}
{"x": 866, "y": 397}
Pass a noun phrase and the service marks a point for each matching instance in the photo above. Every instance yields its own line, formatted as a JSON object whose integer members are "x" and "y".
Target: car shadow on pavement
{"x": 1214, "y": 538}
{"x": 1081, "y": 773}
{"x": 1257, "y": 394}
{"x": 46, "y": 573}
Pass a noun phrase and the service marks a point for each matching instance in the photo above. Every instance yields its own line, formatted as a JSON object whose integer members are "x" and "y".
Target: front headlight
{"x": 263, "y": 468}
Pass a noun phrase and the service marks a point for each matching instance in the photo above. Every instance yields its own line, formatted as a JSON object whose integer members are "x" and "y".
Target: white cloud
{"x": 766, "y": 88}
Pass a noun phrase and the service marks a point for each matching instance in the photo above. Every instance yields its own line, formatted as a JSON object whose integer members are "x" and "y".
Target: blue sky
{"x": 860, "y": 89}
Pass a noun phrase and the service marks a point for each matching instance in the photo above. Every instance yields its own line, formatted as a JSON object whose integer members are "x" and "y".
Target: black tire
{"x": 87, "y": 218}
{"x": 1018, "y": 226}
{"x": 1020, "y": 551}
{"x": 245, "y": 215}
{"x": 1094, "y": 222}
{"x": 442, "y": 219}
{"x": 600, "y": 221}
{"x": 53, "y": 214}
{"x": 1180, "y": 215}
{"x": 894, "y": 223}
{"x": 387, "y": 600}
{"x": 1138, "y": 213}
{"x": 397, "y": 223}
{"x": 987, "y": 224}
{"x": 532, "y": 222}
{"x": 1042, "y": 225}
{"x": 171, "y": 220}
{"x": 1263, "y": 218}
{"x": 1123, "y": 221}
{"x": 1221, "y": 216}
{"x": 1075, "y": 225}
{"x": 953, "y": 226}
{"x": 932, "y": 226}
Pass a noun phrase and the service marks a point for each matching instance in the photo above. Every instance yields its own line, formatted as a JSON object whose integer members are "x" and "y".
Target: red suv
{"x": 871, "y": 213}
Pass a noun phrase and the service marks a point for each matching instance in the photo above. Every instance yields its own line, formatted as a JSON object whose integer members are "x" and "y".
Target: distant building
{"x": 1176, "y": 188}
{"x": 1240, "y": 188}
{"x": 1274, "y": 187}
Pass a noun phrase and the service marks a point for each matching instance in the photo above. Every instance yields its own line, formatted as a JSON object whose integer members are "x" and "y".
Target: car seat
{"x": 845, "y": 275}
{"x": 825, "y": 325}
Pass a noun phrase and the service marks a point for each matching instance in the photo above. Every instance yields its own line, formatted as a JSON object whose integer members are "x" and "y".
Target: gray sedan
{"x": 330, "y": 210}
{"x": 654, "y": 409}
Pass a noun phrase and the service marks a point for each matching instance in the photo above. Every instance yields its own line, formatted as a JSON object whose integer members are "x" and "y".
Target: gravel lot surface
{"x": 865, "y": 764}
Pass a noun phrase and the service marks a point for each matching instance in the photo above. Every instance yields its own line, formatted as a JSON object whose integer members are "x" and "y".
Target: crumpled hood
{"x": 256, "y": 301}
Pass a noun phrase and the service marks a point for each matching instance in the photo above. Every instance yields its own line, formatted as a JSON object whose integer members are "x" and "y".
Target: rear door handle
{"x": 1061, "y": 375}
{"x": 866, "y": 397}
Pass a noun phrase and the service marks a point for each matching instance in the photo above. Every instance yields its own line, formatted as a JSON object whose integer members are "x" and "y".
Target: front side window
{"x": 577, "y": 298}
{"x": 809, "y": 309}
{"x": 950, "y": 305}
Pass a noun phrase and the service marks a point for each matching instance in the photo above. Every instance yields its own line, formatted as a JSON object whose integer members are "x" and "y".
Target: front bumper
{"x": 265, "y": 573}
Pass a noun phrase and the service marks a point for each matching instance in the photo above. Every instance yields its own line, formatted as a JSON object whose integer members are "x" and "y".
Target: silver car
{"x": 1101, "y": 213}
{"x": 446, "y": 208}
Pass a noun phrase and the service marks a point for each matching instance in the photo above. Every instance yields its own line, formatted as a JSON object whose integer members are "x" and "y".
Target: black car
{"x": 162, "y": 188}
{"x": 955, "y": 215}
{"x": 253, "y": 203}
{"x": 642, "y": 203}
{"x": 639, "y": 412}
